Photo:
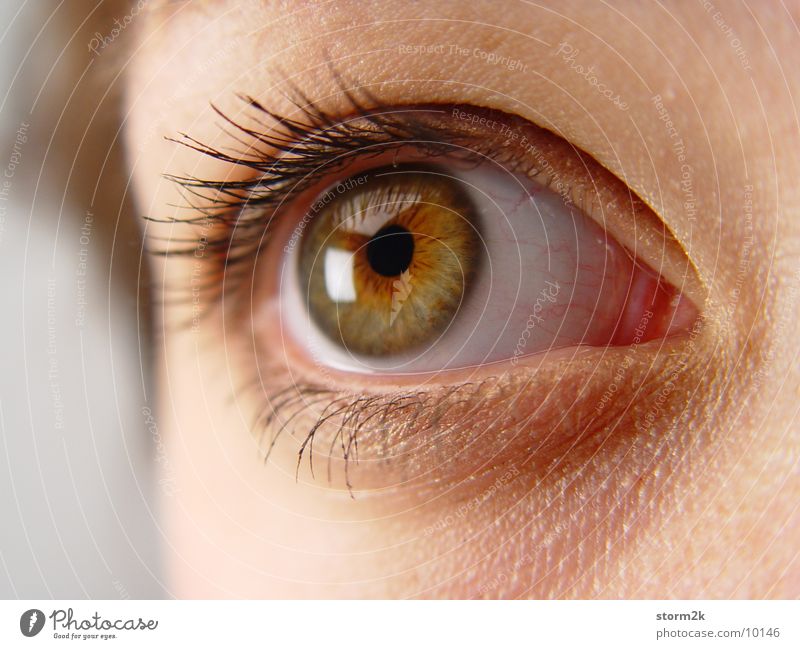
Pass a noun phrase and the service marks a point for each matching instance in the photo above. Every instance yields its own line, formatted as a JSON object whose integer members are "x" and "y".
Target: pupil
{"x": 390, "y": 251}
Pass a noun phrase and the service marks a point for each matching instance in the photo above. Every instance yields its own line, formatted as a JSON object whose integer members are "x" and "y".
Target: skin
{"x": 699, "y": 501}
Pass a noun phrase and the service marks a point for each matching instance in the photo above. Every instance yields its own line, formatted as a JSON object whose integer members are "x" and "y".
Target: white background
{"x": 75, "y": 503}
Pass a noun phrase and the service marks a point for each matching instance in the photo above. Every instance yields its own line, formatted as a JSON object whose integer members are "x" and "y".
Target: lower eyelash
{"x": 346, "y": 416}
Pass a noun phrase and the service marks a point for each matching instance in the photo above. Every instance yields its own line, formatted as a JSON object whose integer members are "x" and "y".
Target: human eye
{"x": 372, "y": 261}
{"x": 476, "y": 254}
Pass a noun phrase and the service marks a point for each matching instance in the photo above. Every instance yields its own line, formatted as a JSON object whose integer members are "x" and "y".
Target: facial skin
{"x": 692, "y": 496}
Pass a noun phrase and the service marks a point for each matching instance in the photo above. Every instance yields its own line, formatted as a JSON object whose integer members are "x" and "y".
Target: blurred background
{"x": 77, "y": 493}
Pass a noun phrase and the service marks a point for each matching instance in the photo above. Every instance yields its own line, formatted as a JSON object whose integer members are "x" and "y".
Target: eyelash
{"x": 350, "y": 414}
{"x": 245, "y": 213}
{"x": 319, "y": 144}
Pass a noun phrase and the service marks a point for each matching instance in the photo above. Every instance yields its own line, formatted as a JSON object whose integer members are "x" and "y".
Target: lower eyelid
{"x": 435, "y": 433}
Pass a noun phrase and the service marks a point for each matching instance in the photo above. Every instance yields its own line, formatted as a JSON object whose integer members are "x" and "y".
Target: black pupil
{"x": 390, "y": 251}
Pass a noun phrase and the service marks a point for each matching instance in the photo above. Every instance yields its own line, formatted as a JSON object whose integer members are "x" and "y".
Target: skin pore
{"x": 693, "y": 494}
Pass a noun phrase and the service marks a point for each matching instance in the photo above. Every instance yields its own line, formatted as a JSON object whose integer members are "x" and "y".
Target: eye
{"x": 414, "y": 241}
{"x": 460, "y": 259}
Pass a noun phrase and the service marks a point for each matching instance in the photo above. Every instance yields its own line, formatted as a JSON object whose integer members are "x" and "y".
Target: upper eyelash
{"x": 288, "y": 156}
{"x": 301, "y": 150}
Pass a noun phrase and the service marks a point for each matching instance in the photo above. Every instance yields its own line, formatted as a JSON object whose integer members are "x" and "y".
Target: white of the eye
{"x": 339, "y": 280}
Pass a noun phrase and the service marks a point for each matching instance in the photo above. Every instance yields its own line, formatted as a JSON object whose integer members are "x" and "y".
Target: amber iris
{"x": 387, "y": 263}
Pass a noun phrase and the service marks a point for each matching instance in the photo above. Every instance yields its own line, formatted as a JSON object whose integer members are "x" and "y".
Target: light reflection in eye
{"x": 339, "y": 282}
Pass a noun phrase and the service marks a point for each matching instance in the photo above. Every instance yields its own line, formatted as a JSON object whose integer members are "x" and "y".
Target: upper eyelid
{"x": 286, "y": 159}
{"x": 271, "y": 163}
{"x": 286, "y": 166}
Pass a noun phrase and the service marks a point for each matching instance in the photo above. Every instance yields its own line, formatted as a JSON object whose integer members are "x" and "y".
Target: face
{"x": 471, "y": 300}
